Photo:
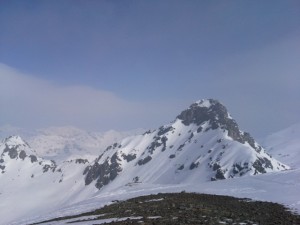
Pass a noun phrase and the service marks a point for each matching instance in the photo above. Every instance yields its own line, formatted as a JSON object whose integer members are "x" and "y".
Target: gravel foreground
{"x": 185, "y": 208}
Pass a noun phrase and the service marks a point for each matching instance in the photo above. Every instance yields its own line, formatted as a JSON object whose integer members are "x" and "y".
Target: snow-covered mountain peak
{"x": 210, "y": 115}
{"x": 14, "y": 141}
{"x": 203, "y": 143}
{"x": 14, "y": 147}
{"x": 205, "y": 111}
{"x": 205, "y": 102}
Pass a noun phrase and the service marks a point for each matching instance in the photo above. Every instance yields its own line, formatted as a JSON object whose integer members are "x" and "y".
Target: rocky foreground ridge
{"x": 185, "y": 208}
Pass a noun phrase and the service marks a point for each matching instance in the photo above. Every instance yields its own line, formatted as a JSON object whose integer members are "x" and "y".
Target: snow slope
{"x": 203, "y": 144}
{"x": 285, "y": 145}
{"x": 31, "y": 185}
{"x": 264, "y": 187}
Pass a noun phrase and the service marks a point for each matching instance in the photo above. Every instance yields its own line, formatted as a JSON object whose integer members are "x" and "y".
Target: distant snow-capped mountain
{"x": 19, "y": 162}
{"x": 65, "y": 143}
{"x": 30, "y": 185}
{"x": 284, "y": 145}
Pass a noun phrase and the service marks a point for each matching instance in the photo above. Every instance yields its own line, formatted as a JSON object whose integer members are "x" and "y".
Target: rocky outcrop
{"x": 102, "y": 173}
{"x": 216, "y": 114}
{"x": 14, "y": 148}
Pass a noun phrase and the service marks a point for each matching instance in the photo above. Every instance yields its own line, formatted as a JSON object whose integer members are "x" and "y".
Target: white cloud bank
{"x": 260, "y": 88}
{"x": 30, "y": 102}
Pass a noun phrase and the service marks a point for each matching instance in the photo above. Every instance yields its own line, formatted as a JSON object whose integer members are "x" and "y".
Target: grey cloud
{"x": 30, "y": 102}
{"x": 261, "y": 87}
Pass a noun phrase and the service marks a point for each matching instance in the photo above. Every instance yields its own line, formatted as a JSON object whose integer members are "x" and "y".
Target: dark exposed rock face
{"x": 81, "y": 161}
{"x": 103, "y": 173}
{"x": 172, "y": 156}
{"x": 217, "y": 116}
{"x": 260, "y": 164}
{"x": 155, "y": 144}
{"x": 12, "y": 152}
{"x": 33, "y": 158}
{"x": 160, "y": 139}
{"x": 181, "y": 167}
{"x": 51, "y": 167}
{"x": 216, "y": 166}
{"x": 129, "y": 157}
{"x": 22, "y": 154}
{"x": 164, "y": 142}
{"x": 163, "y": 130}
{"x": 240, "y": 169}
{"x": 193, "y": 165}
{"x": 144, "y": 161}
{"x": 220, "y": 174}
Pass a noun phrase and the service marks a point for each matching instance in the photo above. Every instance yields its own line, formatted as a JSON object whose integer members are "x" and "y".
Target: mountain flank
{"x": 203, "y": 143}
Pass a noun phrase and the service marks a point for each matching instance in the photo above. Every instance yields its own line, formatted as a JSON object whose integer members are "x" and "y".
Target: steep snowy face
{"x": 285, "y": 145}
{"x": 16, "y": 153}
{"x": 213, "y": 112}
{"x": 203, "y": 143}
{"x": 31, "y": 181}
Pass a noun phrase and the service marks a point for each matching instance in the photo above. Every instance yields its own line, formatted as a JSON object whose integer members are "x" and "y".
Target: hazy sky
{"x": 121, "y": 64}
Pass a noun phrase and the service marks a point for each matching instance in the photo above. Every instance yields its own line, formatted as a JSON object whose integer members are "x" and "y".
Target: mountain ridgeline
{"x": 217, "y": 116}
{"x": 203, "y": 143}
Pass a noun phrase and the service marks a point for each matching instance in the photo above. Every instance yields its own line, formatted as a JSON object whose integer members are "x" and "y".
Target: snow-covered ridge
{"x": 14, "y": 140}
{"x": 15, "y": 146}
{"x": 202, "y": 144}
{"x": 204, "y": 103}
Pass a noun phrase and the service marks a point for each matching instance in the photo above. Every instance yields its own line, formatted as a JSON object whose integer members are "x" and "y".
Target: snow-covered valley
{"x": 202, "y": 151}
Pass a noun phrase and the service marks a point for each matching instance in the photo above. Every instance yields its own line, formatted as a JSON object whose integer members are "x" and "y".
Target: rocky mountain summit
{"x": 218, "y": 117}
{"x": 203, "y": 143}
{"x": 13, "y": 150}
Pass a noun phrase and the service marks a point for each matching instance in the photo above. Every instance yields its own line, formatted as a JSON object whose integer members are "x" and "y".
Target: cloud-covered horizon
{"x": 27, "y": 101}
{"x": 259, "y": 88}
